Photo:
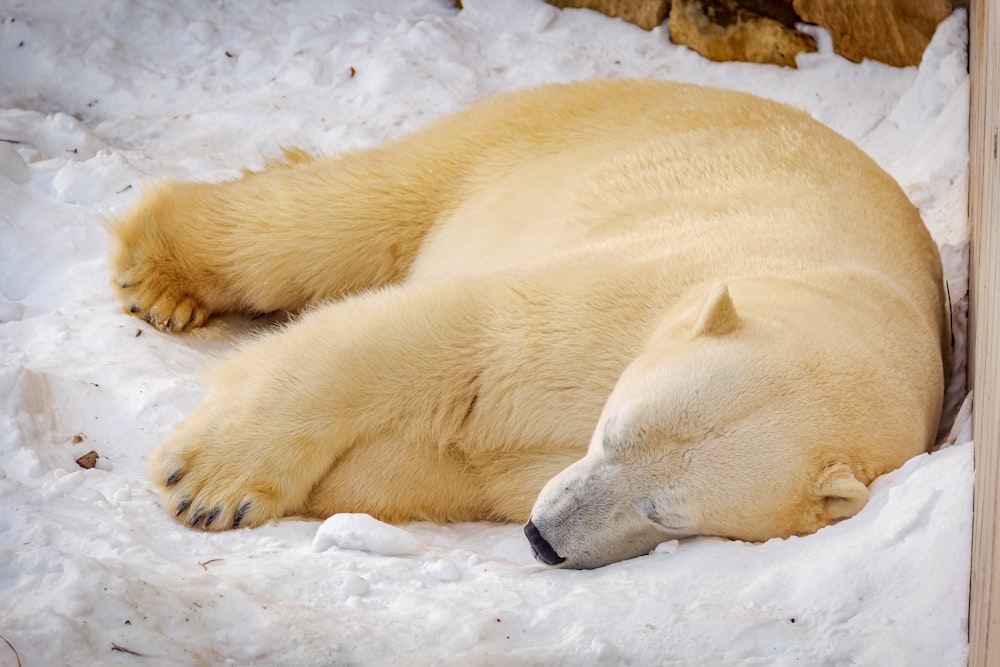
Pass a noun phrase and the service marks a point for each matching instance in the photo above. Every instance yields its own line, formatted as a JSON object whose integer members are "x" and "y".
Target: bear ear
{"x": 842, "y": 493}
{"x": 716, "y": 314}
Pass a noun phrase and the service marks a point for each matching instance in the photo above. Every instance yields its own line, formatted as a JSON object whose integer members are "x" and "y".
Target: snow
{"x": 97, "y": 98}
{"x": 360, "y": 532}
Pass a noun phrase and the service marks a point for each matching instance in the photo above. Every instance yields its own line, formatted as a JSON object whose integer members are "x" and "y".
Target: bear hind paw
{"x": 167, "y": 310}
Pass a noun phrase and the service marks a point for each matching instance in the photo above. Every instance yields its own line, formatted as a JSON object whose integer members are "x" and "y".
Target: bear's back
{"x": 740, "y": 182}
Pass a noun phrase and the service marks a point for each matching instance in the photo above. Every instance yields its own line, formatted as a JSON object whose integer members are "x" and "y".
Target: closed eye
{"x": 616, "y": 439}
{"x": 664, "y": 519}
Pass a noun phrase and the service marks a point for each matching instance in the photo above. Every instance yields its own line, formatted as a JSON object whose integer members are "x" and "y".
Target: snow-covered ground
{"x": 97, "y": 98}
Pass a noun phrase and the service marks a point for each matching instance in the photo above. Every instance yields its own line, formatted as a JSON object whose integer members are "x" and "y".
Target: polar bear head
{"x": 722, "y": 426}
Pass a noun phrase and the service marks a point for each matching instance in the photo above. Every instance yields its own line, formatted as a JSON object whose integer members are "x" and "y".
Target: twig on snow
{"x": 17, "y": 656}
{"x": 122, "y": 649}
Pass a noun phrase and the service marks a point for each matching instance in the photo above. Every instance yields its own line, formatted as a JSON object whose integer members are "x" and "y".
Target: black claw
{"x": 174, "y": 478}
{"x": 134, "y": 309}
{"x": 238, "y": 519}
{"x": 212, "y": 516}
{"x": 149, "y": 319}
{"x": 196, "y": 519}
{"x": 183, "y": 507}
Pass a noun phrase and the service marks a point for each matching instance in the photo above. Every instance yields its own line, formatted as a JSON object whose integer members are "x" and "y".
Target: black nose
{"x": 543, "y": 550}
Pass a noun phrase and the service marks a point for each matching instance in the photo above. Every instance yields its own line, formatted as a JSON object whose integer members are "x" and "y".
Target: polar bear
{"x": 618, "y": 311}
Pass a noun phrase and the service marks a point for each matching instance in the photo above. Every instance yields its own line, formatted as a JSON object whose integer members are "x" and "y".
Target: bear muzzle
{"x": 544, "y": 553}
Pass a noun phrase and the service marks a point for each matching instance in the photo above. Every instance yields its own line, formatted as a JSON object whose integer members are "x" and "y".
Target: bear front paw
{"x": 232, "y": 463}
{"x": 214, "y": 508}
{"x": 210, "y": 489}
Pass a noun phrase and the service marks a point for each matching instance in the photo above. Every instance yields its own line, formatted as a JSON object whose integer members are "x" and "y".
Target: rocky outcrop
{"x": 764, "y": 31}
{"x": 725, "y": 30}
{"x": 892, "y": 31}
{"x": 644, "y": 13}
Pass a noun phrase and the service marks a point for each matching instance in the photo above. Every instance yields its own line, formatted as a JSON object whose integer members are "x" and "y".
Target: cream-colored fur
{"x": 737, "y": 309}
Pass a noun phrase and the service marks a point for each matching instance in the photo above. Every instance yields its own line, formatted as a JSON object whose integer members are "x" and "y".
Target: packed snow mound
{"x": 360, "y": 532}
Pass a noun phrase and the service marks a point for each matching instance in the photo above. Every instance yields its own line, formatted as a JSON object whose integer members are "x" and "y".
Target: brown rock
{"x": 646, "y": 14}
{"x": 781, "y": 11}
{"x": 892, "y": 31}
{"x": 88, "y": 460}
{"x": 724, "y": 30}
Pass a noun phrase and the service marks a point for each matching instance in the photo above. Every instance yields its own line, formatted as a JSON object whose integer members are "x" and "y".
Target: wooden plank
{"x": 984, "y": 213}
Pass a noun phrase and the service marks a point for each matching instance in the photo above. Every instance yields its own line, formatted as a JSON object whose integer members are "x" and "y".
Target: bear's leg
{"x": 299, "y": 232}
{"x": 283, "y": 410}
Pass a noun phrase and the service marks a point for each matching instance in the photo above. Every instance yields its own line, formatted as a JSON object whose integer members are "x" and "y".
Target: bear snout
{"x": 544, "y": 553}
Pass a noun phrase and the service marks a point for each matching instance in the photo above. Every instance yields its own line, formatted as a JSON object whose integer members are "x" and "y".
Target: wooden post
{"x": 984, "y": 341}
